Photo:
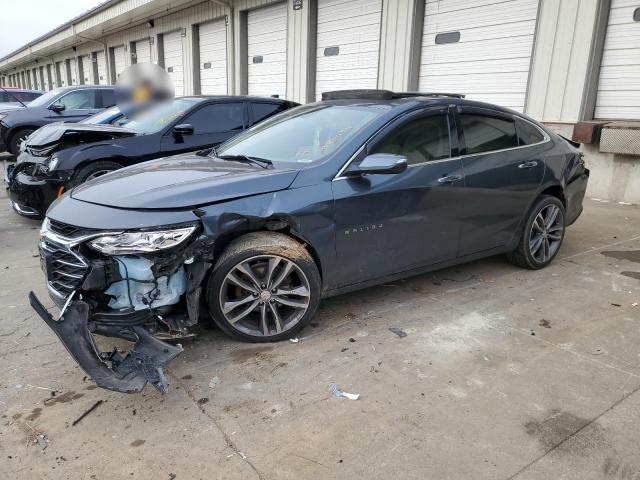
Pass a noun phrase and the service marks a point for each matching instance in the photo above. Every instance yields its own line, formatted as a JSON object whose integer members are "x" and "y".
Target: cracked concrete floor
{"x": 504, "y": 373}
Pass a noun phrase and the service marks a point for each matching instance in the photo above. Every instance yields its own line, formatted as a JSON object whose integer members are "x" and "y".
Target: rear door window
{"x": 219, "y": 117}
{"x": 108, "y": 98}
{"x": 528, "y": 134}
{"x": 486, "y": 133}
{"x": 262, "y": 111}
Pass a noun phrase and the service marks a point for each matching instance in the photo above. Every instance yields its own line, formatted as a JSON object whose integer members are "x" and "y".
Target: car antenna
{"x": 9, "y": 93}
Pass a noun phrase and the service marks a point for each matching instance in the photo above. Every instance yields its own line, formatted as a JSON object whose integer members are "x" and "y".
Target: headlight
{"x": 52, "y": 163}
{"x": 141, "y": 242}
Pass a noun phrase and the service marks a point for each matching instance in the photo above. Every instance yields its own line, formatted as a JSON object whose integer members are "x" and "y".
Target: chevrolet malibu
{"x": 359, "y": 189}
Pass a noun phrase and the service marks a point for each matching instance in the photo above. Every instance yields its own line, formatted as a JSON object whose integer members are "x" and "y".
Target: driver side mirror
{"x": 183, "y": 129}
{"x": 57, "y": 107}
{"x": 379, "y": 163}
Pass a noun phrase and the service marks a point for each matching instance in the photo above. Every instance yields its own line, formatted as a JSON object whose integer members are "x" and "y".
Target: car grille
{"x": 65, "y": 269}
{"x": 69, "y": 231}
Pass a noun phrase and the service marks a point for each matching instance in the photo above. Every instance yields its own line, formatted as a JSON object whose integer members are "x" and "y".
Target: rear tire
{"x": 94, "y": 170}
{"x": 17, "y": 138}
{"x": 541, "y": 236}
{"x": 265, "y": 287}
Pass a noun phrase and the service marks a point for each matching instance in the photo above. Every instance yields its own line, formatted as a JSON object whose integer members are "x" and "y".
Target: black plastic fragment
{"x": 128, "y": 374}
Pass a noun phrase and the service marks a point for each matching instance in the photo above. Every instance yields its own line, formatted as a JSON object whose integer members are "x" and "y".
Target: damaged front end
{"x": 141, "y": 286}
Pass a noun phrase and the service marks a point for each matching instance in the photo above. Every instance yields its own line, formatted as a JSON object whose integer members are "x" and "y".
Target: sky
{"x": 24, "y": 20}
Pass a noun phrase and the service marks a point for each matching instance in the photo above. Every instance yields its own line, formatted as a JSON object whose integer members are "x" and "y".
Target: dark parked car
{"x": 323, "y": 199}
{"x": 60, "y": 156}
{"x": 69, "y": 104}
{"x": 12, "y": 98}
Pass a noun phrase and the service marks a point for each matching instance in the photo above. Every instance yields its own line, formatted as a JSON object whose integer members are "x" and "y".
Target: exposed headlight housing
{"x": 2, "y": 115}
{"x": 51, "y": 164}
{"x": 141, "y": 242}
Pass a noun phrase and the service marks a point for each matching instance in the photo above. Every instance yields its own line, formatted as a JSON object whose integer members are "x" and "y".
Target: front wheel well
{"x": 223, "y": 241}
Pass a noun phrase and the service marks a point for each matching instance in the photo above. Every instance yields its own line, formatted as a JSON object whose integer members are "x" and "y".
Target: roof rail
{"x": 373, "y": 94}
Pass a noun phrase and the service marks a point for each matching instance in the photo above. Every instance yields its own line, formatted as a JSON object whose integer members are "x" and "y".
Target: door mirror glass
{"x": 57, "y": 107}
{"x": 379, "y": 163}
{"x": 183, "y": 129}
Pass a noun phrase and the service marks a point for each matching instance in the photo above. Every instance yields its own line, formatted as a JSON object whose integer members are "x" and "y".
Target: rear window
{"x": 484, "y": 133}
{"x": 528, "y": 134}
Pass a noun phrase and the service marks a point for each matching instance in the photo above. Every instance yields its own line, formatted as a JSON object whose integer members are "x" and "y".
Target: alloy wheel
{"x": 546, "y": 233}
{"x": 264, "y": 295}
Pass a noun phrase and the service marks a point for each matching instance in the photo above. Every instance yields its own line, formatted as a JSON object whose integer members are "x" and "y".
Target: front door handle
{"x": 528, "y": 164}
{"x": 449, "y": 178}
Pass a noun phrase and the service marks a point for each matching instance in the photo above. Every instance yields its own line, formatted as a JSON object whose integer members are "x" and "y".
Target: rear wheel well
{"x": 225, "y": 239}
{"x": 555, "y": 191}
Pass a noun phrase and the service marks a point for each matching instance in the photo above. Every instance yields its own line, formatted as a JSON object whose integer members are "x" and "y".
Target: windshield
{"x": 160, "y": 116}
{"x": 45, "y": 99}
{"x": 303, "y": 134}
{"x": 105, "y": 116}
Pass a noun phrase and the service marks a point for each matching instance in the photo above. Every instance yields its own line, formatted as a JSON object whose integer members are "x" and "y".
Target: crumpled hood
{"x": 79, "y": 131}
{"x": 181, "y": 181}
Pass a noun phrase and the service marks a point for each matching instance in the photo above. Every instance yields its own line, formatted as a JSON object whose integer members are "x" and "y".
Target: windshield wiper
{"x": 263, "y": 162}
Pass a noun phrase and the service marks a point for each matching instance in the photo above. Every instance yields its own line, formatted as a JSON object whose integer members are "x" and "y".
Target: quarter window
{"x": 528, "y": 134}
{"x": 421, "y": 140}
{"x": 79, "y": 100}
{"x": 220, "y": 117}
{"x": 483, "y": 133}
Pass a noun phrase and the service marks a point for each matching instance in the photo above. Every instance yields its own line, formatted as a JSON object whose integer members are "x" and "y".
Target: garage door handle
{"x": 449, "y": 178}
{"x": 528, "y": 164}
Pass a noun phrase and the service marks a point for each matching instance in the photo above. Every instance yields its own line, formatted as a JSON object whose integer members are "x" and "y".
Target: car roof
{"x": 84, "y": 87}
{"x": 18, "y": 89}
{"x": 406, "y": 99}
{"x": 238, "y": 97}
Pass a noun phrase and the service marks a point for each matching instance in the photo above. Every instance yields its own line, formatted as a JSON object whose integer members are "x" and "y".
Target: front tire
{"x": 94, "y": 170}
{"x": 265, "y": 287}
{"x": 542, "y": 235}
{"x": 17, "y": 138}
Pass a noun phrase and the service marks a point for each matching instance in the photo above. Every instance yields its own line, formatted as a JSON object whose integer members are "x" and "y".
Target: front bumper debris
{"x": 129, "y": 374}
{"x": 31, "y": 193}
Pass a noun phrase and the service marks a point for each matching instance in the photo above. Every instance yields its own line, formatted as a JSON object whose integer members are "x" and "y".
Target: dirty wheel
{"x": 265, "y": 287}
{"x": 542, "y": 235}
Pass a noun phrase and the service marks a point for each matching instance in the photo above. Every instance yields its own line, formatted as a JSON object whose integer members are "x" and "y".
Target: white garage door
{"x": 173, "y": 60}
{"x": 267, "y": 47}
{"x": 119, "y": 60}
{"x": 143, "y": 51}
{"x": 213, "y": 58}
{"x": 481, "y": 48}
{"x": 102, "y": 68}
{"x": 74, "y": 71}
{"x": 87, "y": 70}
{"x": 348, "y": 43}
{"x": 619, "y": 85}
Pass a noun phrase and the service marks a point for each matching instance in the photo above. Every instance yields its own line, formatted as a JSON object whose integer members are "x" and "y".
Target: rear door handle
{"x": 449, "y": 178}
{"x": 528, "y": 164}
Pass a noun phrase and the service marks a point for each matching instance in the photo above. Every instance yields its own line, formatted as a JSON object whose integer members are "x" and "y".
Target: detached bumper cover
{"x": 144, "y": 362}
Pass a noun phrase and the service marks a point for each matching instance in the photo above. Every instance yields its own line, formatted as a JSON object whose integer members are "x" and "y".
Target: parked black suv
{"x": 320, "y": 200}
{"x": 59, "y": 156}
{"x": 69, "y": 104}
